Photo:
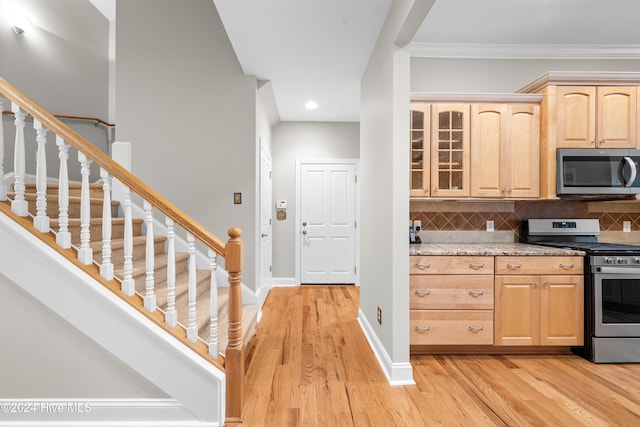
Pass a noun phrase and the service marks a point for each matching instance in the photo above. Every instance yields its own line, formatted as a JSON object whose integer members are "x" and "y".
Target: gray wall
{"x": 43, "y": 356}
{"x": 189, "y": 111}
{"x": 384, "y": 179}
{"x": 497, "y": 75}
{"x": 61, "y": 65}
{"x": 302, "y": 140}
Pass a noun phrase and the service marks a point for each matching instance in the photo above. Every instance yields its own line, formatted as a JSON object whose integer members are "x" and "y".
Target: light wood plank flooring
{"x": 310, "y": 365}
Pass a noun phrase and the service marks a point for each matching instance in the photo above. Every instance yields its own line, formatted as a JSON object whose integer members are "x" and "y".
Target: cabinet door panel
{"x": 617, "y": 115}
{"x": 521, "y": 167}
{"x": 516, "y": 310}
{"x": 450, "y": 150}
{"x": 561, "y": 310}
{"x": 420, "y": 149}
{"x": 488, "y": 137}
{"x": 576, "y": 116}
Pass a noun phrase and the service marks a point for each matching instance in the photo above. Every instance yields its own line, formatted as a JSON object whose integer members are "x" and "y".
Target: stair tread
{"x": 182, "y": 286}
{"x": 119, "y": 242}
{"x": 160, "y": 261}
{"x": 96, "y": 221}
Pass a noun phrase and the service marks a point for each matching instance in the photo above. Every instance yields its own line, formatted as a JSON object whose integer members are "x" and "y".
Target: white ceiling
{"x": 318, "y": 49}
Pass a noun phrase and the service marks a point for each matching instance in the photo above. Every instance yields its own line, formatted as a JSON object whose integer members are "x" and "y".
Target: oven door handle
{"x": 617, "y": 270}
{"x": 634, "y": 171}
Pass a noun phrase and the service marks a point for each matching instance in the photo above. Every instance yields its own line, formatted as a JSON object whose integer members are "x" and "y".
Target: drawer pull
{"x": 425, "y": 329}
{"x": 514, "y": 265}
{"x": 476, "y": 265}
{"x": 476, "y": 328}
{"x": 422, "y": 266}
{"x": 476, "y": 293}
{"x": 422, "y": 293}
{"x": 567, "y": 265}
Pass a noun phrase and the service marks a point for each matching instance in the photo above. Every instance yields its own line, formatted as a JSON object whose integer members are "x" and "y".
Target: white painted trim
{"x": 297, "y": 231}
{"x": 97, "y": 312}
{"x": 397, "y": 374}
{"x": 280, "y": 282}
{"x": 520, "y": 51}
{"x": 261, "y": 297}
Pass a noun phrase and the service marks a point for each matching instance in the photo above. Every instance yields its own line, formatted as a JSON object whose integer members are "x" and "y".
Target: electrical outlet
{"x": 489, "y": 226}
{"x": 379, "y": 315}
{"x": 417, "y": 224}
{"x": 626, "y": 226}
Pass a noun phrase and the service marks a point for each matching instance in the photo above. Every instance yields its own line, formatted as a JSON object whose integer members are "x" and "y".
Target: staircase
{"x": 175, "y": 289}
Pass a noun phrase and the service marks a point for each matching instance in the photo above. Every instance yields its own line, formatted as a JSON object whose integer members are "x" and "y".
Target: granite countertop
{"x": 489, "y": 249}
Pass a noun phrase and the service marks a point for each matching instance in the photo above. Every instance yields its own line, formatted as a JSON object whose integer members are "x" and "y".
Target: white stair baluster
{"x": 41, "y": 221}
{"x": 63, "y": 238}
{"x": 19, "y": 205}
{"x": 149, "y": 295}
{"x": 106, "y": 268}
{"x": 213, "y": 337}
{"x": 192, "y": 327}
{"x": 171, "y": 315}
{"x": 3, "y": 187}
{"x": 85, "y": 253}
{"x": 128, "y": 285}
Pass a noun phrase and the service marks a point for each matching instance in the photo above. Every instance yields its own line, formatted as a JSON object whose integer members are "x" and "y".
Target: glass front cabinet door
{"x": 420, "y": 149}
{"x": 450, "y": 150}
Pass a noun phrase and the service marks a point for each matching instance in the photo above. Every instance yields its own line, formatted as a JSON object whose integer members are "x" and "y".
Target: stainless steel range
{"x": 612, "y": 287}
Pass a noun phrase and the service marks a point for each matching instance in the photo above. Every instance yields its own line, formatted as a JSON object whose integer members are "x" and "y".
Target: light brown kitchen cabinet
{"x": 539, "y": 309}
{"x": 420, "y": 134}
{"x": 581, "y": 110}
{"x": 450, "y": 165}
{"x": 451, "y": 300}
{"x": 596, "y": 116}
{"x": 505, "y": 150}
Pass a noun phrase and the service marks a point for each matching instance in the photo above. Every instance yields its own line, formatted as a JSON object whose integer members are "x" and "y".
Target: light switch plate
{"x": 489, "y": 226}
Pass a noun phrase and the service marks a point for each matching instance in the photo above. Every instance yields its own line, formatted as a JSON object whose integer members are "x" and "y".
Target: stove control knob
{"x": 620, "y": 260}
{"x": 608, "y": 260}
{"x": 637, "y": 260}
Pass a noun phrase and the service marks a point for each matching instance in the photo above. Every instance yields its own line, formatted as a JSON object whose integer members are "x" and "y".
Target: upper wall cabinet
{"x": 481, "y": 146}
{"x": 599, "y": 117}
{"x": 581, "y": 110}
{"x": 505, "y": 150}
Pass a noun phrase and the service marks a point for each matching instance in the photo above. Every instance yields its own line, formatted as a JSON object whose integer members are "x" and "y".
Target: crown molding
{"x": 453, "y": 97}
{"x": 524, "y": 51}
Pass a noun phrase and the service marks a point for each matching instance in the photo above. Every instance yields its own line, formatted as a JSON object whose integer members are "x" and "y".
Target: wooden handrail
{"x": 113, "y": 168}
{"x": 66, "y": 116}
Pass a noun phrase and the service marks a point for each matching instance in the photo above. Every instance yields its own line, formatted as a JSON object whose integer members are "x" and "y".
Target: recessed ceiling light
{"x": 311, "y": 105}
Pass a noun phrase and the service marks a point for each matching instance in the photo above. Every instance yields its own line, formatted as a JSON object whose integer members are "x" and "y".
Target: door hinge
{"x": 355, "y": 224}
{"x": 355, "y": 270}
{"x": 270, "y": 174}
{"x": 269, "y": 269}
{"x": 356, "y": 178}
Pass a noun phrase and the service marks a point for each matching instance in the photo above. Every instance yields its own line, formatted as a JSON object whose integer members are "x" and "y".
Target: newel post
{"x": 234, "y": 355}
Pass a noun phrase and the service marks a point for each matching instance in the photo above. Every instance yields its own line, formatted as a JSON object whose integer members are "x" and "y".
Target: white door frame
{"x": 263, "y": 288}
{"x": 297, "y": 229}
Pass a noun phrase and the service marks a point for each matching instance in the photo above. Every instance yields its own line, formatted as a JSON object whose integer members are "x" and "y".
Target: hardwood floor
{"x": 310, "y": 365}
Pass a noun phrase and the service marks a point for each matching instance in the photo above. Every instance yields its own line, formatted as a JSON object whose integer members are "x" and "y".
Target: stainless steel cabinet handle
{"x": 536, "y": 284}
{"x": 422, "y": 293}
{"x": 602, "y": 141}
{"x": 422, "y": 266}
{"x": 425, "y": 329}
{"x": 476, "y": 293}
{"x": 545, "y": 284}
{"x": 476, "y": 328}
{"x": 514, "y": 265}
{"x": 476, "y": 265}
{"x": 594, "y": 141}
{"x": 567, "y": 265}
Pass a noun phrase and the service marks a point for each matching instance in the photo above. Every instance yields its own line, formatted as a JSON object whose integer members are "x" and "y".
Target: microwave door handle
{"x": 634, "y": 171}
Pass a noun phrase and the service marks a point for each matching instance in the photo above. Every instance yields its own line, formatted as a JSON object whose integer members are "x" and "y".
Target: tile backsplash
{"x": 509, "y": 215}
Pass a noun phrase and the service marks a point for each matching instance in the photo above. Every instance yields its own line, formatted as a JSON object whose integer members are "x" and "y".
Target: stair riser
{"x": 117, "y": 231}
{"x": 159, "y": 274}
{"x": 53, "y": 209}
{"x": 74, "y": 190}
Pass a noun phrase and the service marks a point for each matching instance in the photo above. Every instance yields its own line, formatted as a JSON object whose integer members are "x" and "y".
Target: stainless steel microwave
{"x": 597, "y": 173}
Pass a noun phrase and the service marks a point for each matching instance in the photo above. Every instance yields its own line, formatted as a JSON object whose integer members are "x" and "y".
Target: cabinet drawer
{"x": 451, "y": 265}
{"x": 451, "y": 327}
{"x": 470, "y": 292}
{"x": 539, "y": 265}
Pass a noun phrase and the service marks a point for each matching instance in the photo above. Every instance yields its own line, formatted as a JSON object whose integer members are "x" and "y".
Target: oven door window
{"x": 601, "y": 171}
{"x": 617, "y": 303}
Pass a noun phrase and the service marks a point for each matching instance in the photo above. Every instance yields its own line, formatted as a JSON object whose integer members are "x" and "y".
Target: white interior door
{"x": 266, "y": 189}
{"x": 327, "y": 223}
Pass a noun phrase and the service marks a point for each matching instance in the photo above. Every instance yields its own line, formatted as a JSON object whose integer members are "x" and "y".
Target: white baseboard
{"x": 397, "y": 373}
{"x": 284, "y": 281}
